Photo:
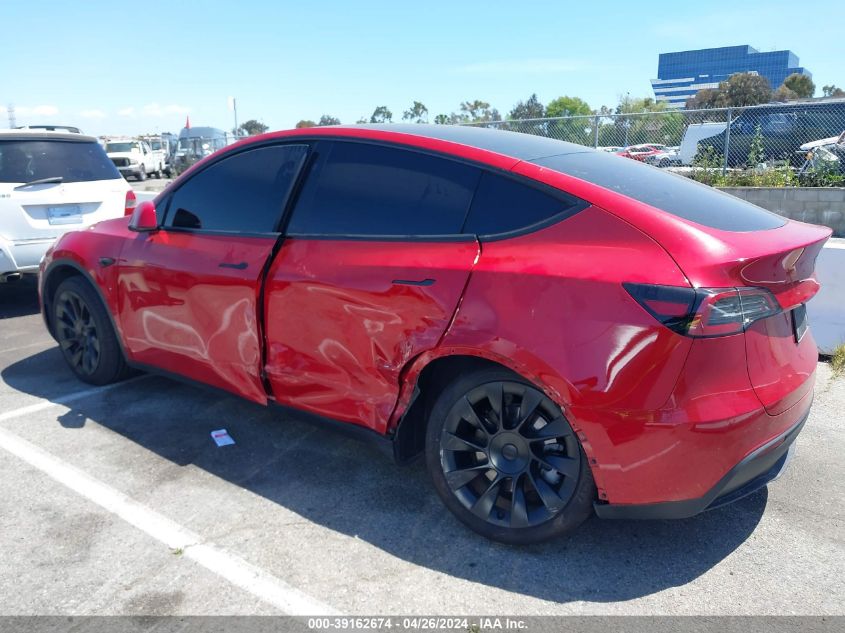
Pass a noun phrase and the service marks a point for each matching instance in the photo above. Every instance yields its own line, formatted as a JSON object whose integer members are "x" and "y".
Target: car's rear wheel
{"x": 505, "y": 460}
{"x": 85, "y": 334}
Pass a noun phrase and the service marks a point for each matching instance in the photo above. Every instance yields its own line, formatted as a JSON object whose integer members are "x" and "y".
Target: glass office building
{"x": 680, "y": 75}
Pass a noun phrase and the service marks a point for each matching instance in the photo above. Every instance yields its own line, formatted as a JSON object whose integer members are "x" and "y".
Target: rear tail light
{"x": 705, "y": 312}
{"x": 131, "y": 201}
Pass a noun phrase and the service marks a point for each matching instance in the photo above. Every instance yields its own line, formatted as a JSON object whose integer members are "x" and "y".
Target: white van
{"x": 51, "y": 183}
{"x": 694, "y": 133}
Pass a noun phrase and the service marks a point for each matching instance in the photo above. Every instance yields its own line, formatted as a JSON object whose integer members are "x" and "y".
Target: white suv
{"x": 51, "y": 183}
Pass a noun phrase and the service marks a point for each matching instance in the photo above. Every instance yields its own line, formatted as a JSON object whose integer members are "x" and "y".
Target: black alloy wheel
{"x": 85, "y": 334}
{"x": 76, "y": 332}
{"x": 510, "y": 462}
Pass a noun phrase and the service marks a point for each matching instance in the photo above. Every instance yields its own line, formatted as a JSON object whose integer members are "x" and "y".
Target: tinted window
{"x": 25, "y": 161}
{"x": 360, "y": 189}
{"x": 502, "y": 205}
{"x": 676, "y": 194}
{"x": 244, "y": 192}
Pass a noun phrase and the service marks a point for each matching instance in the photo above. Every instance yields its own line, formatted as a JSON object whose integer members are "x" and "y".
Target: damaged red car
{"x": 557, "y": 331}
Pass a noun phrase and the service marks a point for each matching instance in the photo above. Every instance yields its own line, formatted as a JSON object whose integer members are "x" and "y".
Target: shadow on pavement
{"x": 19, "y": 298}
{"x": 353, "y": 489}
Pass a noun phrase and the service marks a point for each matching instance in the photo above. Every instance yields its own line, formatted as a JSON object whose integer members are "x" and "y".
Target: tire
{"x": 663, "y": 163}
{"x": 142, "y": 174}
{"x": 85, "y": 334}
{"x": 477, "y": 464}
{"x": 157, "y": 173}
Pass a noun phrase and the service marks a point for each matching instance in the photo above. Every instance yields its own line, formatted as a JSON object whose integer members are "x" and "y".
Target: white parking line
{"x": 60, "y": 400}
{"x": 232, "y": 568}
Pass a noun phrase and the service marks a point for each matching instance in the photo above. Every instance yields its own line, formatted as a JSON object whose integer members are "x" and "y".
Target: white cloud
{"x": 39, "y": 110}
{"x": 92, "y": 114}
{"x": 156, "y": 110}
{"x": 129, "y": 111}
{"x": 523, "y": 66}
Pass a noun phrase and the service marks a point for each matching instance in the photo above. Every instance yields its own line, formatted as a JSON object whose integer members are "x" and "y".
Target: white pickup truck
{"x": 136, "y": 158}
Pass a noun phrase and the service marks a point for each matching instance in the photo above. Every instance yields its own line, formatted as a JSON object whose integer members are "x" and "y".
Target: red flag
{"x": 187, "y": 122}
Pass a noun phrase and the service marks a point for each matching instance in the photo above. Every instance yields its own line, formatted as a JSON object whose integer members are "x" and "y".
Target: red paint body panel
{"x": 180, "y": 311}
{"x": 340, "y": 332}
{"x": 662, "y": 416}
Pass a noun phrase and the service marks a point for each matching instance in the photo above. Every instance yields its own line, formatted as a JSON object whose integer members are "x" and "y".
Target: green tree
{"x": 741, "y": 89}
{"x": 832, "y": 91}
{"x": 478, "y": 110}
{"x": 801, "y": 85}
{"x": 253, "y": 127}
{"x": 362, "y": 120}
{"x": 531, "y": 108}
{"x": 306, "y": 123}
{"x": 567, "y": 106}
{"x": 784, "y": 94}
{"x": 381, "y": 115}
{"x": 707, "y": 98}
{"x": 328, "y": 119}
{"x": 746, "y": 89}
{"x": 441, "y": 119}
{"x": 417, "y": 113}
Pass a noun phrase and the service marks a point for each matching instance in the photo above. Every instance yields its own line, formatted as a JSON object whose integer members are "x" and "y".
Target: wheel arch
{"x": 425, "y": 377}
{"x": 58, "y": 271}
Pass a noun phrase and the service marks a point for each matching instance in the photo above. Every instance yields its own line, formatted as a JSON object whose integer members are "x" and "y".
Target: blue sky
{"x": 112, "y": 69}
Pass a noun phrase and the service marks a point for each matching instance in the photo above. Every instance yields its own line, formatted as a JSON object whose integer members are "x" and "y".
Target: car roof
{"x": 516, "y": 144}
{"x": 44, "y": 135}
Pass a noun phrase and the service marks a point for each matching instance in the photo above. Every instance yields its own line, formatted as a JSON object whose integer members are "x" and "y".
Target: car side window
{"x": 503, "y": 205}
{"x": 244, "y": 192}
{"x": 366, "y": 189}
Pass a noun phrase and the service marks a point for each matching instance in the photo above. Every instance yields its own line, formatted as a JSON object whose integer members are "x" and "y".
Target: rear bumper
{"x": 23, "y": 256}
{"x": 757, "y": 469}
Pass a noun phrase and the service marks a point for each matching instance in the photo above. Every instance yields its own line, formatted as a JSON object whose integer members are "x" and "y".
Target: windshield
{"x": 122, "y": 147}
{"x": 25, "y": 161}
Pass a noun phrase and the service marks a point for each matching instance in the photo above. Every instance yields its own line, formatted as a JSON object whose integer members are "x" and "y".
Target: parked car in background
{"x": 641, "y": 152}
{"x": 195, "y": 143}
{"x": 50, "y": 183}
{"x": 135, "y": 158}
{"x": 51, "y": 128}
{"x": 668, "y": 157}
{"x": 164, "y": 146}
{"x": 695, "y": 133}
{"x": 784, "y": 128}
{"x": 457, "y": 292}
{"x": 609, "y": 148}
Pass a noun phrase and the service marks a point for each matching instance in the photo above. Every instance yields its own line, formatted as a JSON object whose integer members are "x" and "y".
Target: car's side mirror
{"x": 144, "y": 218}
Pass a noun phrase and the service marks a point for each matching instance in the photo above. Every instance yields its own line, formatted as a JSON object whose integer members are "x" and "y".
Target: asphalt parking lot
{"x": 117, "y": 501}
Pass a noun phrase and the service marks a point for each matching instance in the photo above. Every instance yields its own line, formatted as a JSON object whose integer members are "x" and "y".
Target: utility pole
{"x": 12, "y": 120}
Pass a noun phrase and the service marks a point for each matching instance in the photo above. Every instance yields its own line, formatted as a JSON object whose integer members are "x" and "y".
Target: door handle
{"x": 240, "y": 266}
{"x": 413, "y": 282}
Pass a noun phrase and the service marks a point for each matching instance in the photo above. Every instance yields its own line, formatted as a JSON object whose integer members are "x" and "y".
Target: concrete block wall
{"x": 816, "y": 205}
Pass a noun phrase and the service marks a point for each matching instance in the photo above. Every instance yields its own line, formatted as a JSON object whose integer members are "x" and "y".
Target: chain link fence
{"x": 755, "y": 137}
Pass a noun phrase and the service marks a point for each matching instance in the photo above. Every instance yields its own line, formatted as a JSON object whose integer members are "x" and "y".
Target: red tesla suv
{"x": 558, "y": 331}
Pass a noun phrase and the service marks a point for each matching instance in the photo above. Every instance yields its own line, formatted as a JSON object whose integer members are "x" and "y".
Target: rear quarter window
{"x": 73, "y": 161}
{"x": 669, "y": 192}
{"x": 502, "y": 205}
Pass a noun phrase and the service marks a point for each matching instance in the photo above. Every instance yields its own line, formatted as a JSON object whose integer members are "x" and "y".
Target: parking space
{"x": 116, "y": 500}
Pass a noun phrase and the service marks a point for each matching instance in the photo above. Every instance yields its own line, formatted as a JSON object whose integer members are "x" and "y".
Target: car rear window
{"x": 669, "y": 192}
{"x": 73, "y": 161}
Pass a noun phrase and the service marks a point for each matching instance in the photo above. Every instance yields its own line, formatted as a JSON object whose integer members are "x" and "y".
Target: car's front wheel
{"x": 85, "y": 334}
{"x": 505, "y": 460}
{"x": 142, "y": 173}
